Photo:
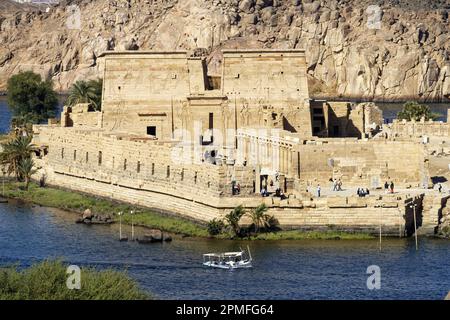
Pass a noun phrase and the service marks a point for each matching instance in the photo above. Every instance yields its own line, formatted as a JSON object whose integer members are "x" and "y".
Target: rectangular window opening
{"x": 151, "y": 130}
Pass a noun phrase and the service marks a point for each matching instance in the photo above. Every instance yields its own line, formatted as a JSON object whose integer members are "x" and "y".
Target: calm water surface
{"x": 282, "y": 269}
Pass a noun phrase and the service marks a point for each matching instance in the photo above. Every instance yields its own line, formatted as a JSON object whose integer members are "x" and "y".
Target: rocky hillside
{"x": 408, "y": 57}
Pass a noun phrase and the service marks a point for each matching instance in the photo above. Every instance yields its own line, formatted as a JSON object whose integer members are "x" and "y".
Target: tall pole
{"x": 132, "y": 225}
{"x": 120, "y": 225}
{"x": 381, "y": 217}
{"x": 235, "y": 121}
{"x": 415, "y": 225}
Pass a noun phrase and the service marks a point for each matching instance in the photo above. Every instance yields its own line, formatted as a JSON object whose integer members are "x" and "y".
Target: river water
{"x": 326, "y": 269}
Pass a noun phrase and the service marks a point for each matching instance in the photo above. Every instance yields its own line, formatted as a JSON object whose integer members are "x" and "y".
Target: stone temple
{"x": 170, "y": 136}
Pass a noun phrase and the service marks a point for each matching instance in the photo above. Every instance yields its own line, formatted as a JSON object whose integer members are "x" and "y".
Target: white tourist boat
{"x": 228, "y": 260}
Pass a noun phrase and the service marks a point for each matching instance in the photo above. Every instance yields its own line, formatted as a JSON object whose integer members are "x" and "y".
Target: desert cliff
{"x": 407, "y": 55}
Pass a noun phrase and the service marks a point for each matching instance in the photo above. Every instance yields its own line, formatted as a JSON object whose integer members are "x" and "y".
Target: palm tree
{"x": 23, "y": 124}
{"x": 234, "y": 217}
{"x": 260, "y": 218}
{"x": 14, "y": 151}
{"x": 26, "y": 169}
{"x": 85, "y": 92}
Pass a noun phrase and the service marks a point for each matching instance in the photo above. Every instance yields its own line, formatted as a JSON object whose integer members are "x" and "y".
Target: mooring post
{"x": 413, "y": 206}
{"x": 132, "y": 225}
{"x": 380, "y": 205}
{"x": 120, "y": 225}
{"x": 415, "y": 226}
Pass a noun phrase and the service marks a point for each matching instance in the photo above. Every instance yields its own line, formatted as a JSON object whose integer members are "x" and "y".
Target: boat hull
{"x": 239, "y": 265}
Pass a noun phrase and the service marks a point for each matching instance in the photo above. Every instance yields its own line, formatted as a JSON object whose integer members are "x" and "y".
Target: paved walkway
{"x": 327, "y": 191}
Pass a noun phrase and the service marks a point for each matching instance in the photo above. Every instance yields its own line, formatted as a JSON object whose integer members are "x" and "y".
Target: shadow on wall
{"x": 438, "y": 179}
{"x": 409, "y": 216}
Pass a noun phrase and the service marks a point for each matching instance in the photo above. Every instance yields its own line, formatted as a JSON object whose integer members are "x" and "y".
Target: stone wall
{"x": 419, "y": 128}
{"x": 362, "y": 163}
{"x": 145, "y": 172}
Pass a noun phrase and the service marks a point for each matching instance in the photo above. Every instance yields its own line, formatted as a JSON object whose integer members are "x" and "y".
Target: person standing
{"x": 392, "y": 187}
{"x": 318, "y": 190}
{"x": 440, "y": 188}
{"x": 386, "y": 187}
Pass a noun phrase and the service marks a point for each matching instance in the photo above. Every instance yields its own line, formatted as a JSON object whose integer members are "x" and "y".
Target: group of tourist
{"x": 236, "y": 189}
{"x": 336, "y": 184}
{"x": 362, "y": 192}
{"x": 278, "y": 193}
{"x": 389, "y": 187}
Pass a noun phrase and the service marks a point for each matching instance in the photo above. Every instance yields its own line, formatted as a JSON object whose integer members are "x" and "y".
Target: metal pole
{"x": 381, "y": 217}
{"x": 120, "y": 225}
{"x": 415, "y": 226}
{"x": 132, "y": 225}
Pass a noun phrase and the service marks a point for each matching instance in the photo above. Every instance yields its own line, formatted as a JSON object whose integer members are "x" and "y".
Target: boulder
{"x": 249, "y": 19}
{"x": 87, "y": 214}
{"x": 154, "y": 235}
{"x": 312, "y": 7}
{"x": 247, "y": 5}
{"x": 264, "y": 3}
{"x": 167, "y": 238}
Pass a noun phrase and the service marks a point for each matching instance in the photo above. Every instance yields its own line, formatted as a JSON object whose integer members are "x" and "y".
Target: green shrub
{"x": 415, "y": 111}
{"x": 215, "y": 227}
{"x": 47, "y": 281}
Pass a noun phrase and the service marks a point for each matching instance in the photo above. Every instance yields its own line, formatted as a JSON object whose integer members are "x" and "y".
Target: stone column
{"x": 283, "y": 159}
{"x": 257, "y": 179}
{"x": 289, "y": 169}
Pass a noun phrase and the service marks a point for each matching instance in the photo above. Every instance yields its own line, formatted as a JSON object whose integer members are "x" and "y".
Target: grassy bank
{"x": 47, "y": 281}
{"x": 312, "y": 235}
{"x": 73, "y": 201}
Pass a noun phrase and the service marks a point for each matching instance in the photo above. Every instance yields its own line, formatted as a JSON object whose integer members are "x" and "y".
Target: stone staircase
{"x": 432, "y": 206}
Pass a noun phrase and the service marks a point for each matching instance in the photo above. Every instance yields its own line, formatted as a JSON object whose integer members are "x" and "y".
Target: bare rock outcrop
{"x": 408, "y": 56}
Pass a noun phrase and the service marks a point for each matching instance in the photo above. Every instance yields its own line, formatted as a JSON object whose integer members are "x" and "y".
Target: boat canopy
{"x": 226, "y": 254}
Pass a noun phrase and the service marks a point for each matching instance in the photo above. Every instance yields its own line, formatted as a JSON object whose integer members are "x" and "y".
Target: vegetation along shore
{"x": 47, "y": 280}
{"x": 78, "y": 202}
